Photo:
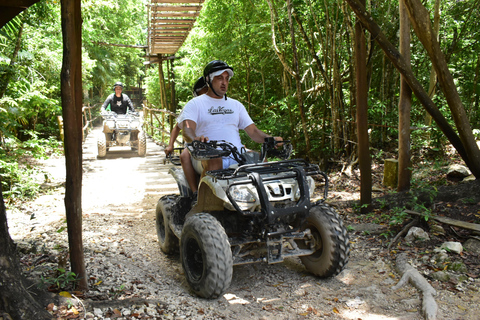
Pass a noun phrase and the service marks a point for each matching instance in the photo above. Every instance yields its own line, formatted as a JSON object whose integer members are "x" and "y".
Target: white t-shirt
{"x": 217, "y": 119}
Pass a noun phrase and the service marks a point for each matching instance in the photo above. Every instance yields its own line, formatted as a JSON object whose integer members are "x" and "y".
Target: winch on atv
{"x": 122, "y": 130}
{"x": 255, "y": 211}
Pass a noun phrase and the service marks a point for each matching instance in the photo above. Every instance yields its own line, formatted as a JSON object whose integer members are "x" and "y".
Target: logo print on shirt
{"x": 219, "y": 110}
{"x": 119, "y": 103}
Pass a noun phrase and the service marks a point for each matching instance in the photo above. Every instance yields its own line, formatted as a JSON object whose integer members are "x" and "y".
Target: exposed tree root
{"x": 410, "y": 274}
{"x": 401, "y": 233}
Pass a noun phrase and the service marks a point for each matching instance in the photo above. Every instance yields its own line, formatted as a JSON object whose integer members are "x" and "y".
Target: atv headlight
{"x": 110, "y": 124}
{"x": 243, "y": 194}
{"x": 311, "y": 188}
{"x": 135, "y": 124}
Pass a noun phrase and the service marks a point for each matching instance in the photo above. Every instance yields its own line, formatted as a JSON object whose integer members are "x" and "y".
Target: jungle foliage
{"x": 255, "y": 38}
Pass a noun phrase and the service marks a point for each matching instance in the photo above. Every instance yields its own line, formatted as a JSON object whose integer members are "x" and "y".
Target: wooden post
{"x": 60, "y": 127}
{"x": 404, "y": 106}
{"x": 150, "y": 113}
{"x": 390, "y": 173}
{"x": 71, "y": 93}
{"x": 163, "y": 126}
{"x": 364, "y": 158}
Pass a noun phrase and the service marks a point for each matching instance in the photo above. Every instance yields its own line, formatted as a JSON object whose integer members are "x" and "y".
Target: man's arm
{"x": 189, "y": 128}
{"x": 105, "y": 104}
{"x": 129, "y": 103}
{"x": 173, "y": 136}
{"x": 258, "y": 135}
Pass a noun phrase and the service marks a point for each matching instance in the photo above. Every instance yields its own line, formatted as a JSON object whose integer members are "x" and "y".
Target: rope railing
{"x": 156, "y": 123}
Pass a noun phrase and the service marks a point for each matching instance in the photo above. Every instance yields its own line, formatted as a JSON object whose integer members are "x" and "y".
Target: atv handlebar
{"x": 279, "y": 149}
{"x": 174, "y": 156}
{"x": 114, "y": 114}
{"x": 220, "y": 148}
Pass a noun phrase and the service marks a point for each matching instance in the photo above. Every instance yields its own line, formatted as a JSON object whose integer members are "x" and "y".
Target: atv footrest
{"x": 283, "y": 245}
{"x": 274, "y": 250}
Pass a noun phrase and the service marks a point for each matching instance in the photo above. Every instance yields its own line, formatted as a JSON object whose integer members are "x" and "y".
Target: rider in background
{"x": 199, "y": 88}
{"x": 117, "y": 102}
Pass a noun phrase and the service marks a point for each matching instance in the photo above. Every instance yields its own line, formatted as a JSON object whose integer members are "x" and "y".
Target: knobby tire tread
{"x": 217, "y": 255}
{"x": 334, "y": 257}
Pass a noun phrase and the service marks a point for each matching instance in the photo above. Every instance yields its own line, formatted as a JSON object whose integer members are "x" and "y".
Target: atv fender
{"x": 182, "y": 183}
{"x": 211, "y": 196}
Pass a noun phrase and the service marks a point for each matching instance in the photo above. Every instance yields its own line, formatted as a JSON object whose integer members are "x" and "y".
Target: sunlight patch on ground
{"x": 233, "y": 299}
{"x": 364, "y": 315}
{"x": 346, "y": 276}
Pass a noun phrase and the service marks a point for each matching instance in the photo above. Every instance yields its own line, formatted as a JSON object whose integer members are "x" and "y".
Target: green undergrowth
{"x": 19, "y": 175}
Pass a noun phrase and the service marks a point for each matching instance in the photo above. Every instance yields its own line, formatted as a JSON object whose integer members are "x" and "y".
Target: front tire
{"x": 331, "y": 242}
{"x": 101, "y": 145}
{"x": 166, "y": 238}
{"x": 142, "y": 144}
{"x": 206, "y": 256}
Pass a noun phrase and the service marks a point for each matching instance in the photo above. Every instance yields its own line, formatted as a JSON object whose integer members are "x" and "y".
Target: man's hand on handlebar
{"x": 168, "y": 150}
{"x": 201, "y": 138}
{"x": 278, "y": 141}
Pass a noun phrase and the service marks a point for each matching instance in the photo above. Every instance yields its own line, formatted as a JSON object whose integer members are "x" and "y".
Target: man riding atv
{"x": 122, "y": 125}
{"x": 213, "y": 116}
{"x": 117, "y": 102}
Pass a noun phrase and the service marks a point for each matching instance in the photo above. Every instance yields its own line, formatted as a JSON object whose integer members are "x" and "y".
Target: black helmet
{"x": 199, "y": 85}
{"x": 215, "y": 66}
{"x": 118, "y": 84}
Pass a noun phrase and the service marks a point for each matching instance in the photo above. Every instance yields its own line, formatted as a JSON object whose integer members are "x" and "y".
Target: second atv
{"x": 122, "y": 130}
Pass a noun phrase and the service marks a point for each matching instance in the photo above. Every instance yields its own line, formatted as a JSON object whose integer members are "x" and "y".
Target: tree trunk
{"x": 364, "y": 158}
{"x": 433, "y": 75}
{"x": 399, "y": 63}
{"x": 420, "y": 19}
{"x": 171, "y": 86}
{"x": 71, "y": 93}
{"x": 163, "y": 90}
{"x": 14, "y": 297}
{"x": 404, "y": 106}
{"x": 298, "y": 81}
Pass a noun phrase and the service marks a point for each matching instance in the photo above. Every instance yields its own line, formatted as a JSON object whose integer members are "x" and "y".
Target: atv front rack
{"x": 261, "y": 173}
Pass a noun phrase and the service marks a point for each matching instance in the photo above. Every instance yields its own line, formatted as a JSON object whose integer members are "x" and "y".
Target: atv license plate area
{"x": 123, "y": 124}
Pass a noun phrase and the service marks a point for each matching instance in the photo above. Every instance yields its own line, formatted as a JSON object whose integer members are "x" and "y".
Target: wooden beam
{"x": 179, "y": 25}
{"x": 120, "y": 45}
{"x": 191, "y": 21}
{"x": 155, "y": 30}
{"x": 177, "y": 1}
{"x": 177, "y": 43}
{"x": 176, "y": 8}
{"x": 17, "y": 3}
{"x": 11, "y": 8}
{"x": 449, "y": 221}
{"x": 174, "y": 14}
{"x": 168, "y": 34}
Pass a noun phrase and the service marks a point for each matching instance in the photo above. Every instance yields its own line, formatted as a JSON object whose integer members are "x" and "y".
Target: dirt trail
{"x": 129, "y": 275}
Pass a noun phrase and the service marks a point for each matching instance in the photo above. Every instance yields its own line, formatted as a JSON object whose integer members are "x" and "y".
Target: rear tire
{"x": 166, "y": 238}
{"x": 206, "y": 256}
{"x": 101, "y": 145}
{"x": 331, "y": 242}
{"x": 142, "y": 144}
